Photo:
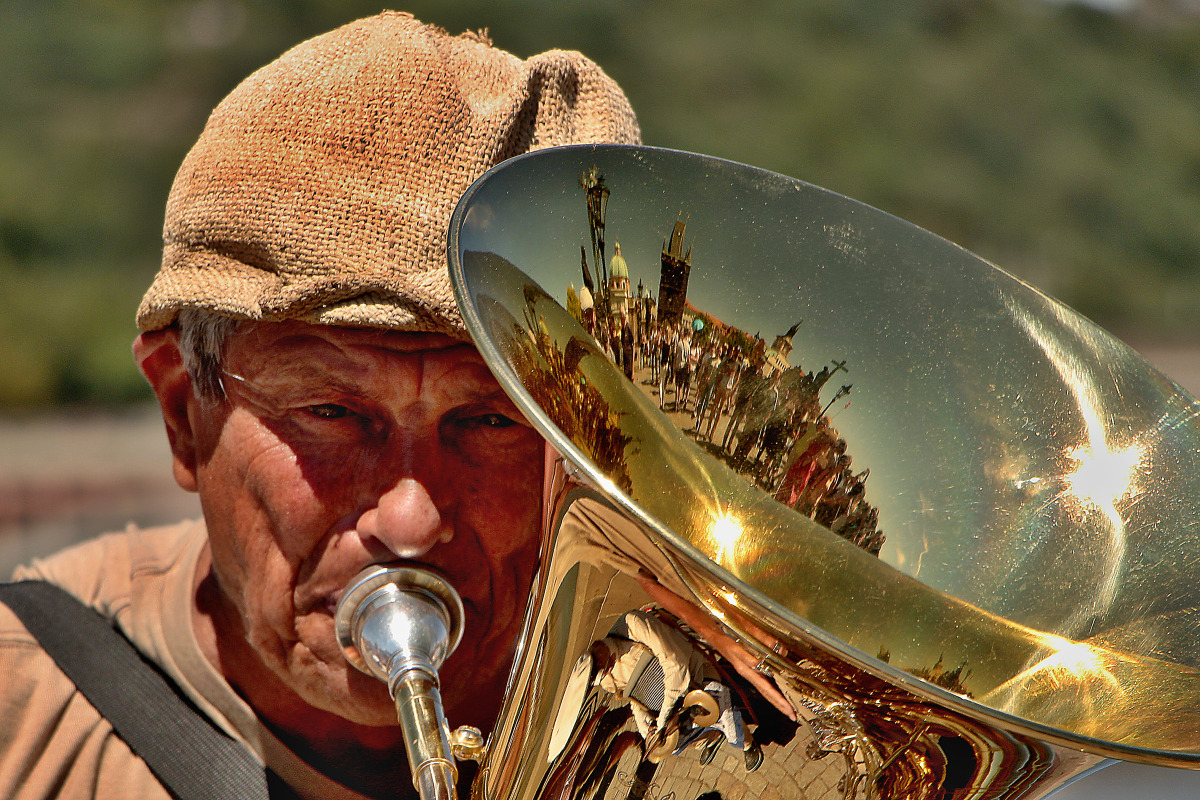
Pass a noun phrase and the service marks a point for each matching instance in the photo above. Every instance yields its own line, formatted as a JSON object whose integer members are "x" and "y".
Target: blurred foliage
{"x": 1055, "y": 140}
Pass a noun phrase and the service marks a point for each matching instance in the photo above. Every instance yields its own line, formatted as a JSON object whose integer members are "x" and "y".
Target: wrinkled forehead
{"x": 300, "y": 335}
{"x": 306, "y": 352}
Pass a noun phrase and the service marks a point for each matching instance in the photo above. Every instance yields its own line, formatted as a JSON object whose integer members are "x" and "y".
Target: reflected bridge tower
{"x": 673, "y": 279}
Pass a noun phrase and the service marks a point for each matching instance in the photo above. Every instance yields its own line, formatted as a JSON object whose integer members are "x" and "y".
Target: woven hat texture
{"x": 322, "y": 187}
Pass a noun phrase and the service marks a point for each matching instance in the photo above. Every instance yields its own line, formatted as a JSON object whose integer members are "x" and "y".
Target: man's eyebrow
{"x": 296, "y": 379}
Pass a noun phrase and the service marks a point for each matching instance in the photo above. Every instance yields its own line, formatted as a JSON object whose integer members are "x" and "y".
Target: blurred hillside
{"x": 1058, "y": 140}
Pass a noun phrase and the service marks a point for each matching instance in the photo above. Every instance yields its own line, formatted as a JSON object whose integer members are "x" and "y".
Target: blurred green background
{"x": 1059, "y": 140}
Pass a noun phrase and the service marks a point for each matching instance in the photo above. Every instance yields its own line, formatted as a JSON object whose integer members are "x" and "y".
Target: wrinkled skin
{"x": 334, "y": 449}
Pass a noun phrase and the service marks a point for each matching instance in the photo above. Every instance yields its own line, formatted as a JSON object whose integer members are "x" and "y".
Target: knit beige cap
{"x": 322, "y": 187}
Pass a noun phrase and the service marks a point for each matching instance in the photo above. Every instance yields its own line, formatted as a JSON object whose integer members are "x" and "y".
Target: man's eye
{"x": 328, "y": 411}
{"x": 494, "y": 421}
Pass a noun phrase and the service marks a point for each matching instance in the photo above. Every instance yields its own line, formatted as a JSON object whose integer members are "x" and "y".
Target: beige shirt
{"x": 53, "y": 743}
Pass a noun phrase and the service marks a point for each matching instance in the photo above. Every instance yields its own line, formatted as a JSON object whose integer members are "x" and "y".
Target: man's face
{"x": 338, "y": 448}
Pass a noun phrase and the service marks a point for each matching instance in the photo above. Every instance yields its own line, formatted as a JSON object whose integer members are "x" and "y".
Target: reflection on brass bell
{"x": 1033, "y": 475}
{"x": 709, "y": 743}
{"x": 753, "y": 755}
{"x": 705, "y": 710}
{"x": 665, "y": 746}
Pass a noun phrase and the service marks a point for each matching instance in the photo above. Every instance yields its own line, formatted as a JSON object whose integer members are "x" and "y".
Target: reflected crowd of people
{"x": 752, "y": 409}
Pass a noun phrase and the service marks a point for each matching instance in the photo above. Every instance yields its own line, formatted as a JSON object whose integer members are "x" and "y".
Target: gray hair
{"x": 202, "y": 338}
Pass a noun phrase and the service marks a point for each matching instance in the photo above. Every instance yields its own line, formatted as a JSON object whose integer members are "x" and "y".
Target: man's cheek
{"x": 333, "y": 463}
{"x": 507, "y": 499}
{"x": 285, "y": 515}
{"x": 503, "y": 533}
{"x": 267, "y": 590}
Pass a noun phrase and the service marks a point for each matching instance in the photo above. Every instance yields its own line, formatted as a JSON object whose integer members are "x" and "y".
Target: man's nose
{"x": 406, "y": 520}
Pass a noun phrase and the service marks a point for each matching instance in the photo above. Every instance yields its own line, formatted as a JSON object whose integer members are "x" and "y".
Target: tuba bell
{"x": 834, "y": 508}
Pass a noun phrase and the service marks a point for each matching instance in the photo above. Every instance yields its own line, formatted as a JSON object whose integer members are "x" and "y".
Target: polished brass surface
{"x": 903, "y": 459}
{"x": 570, "y": 730}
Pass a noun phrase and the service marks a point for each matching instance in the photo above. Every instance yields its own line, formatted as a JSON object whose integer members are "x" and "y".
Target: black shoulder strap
{"x": 193, "y": 759}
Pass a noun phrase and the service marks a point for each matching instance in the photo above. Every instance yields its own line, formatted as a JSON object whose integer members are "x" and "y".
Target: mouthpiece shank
{"x": 399, "y": 624}
{"x": 419, "y": 710}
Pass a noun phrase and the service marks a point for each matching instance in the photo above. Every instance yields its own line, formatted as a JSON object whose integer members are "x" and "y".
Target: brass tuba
{"x": 836, "y": 510}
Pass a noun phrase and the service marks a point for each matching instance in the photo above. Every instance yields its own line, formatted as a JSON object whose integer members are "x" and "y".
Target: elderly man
{"x": 320, "y": 395}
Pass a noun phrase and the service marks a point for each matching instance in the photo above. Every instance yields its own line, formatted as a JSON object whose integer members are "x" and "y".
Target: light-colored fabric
{"x": 54, "y": 744}
{"x": 322, "y": 187}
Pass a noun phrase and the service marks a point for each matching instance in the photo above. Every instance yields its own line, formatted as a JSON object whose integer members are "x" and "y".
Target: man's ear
{"x": 158, "y": 357}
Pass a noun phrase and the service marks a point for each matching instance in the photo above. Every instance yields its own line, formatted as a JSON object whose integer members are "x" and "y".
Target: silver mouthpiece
{"x": 400, "y": 624}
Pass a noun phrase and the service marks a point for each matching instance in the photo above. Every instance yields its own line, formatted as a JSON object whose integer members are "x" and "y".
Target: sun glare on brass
{"x": 1103, "y": 478}
{"x": 1072, "y": 663}
{"x": 726, "y": 530}
{"x": 1102, "y": 474}
{"x": 1074, "y": 674}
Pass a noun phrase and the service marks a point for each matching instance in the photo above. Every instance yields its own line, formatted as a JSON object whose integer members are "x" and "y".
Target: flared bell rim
{"x": 682, "y": 548}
